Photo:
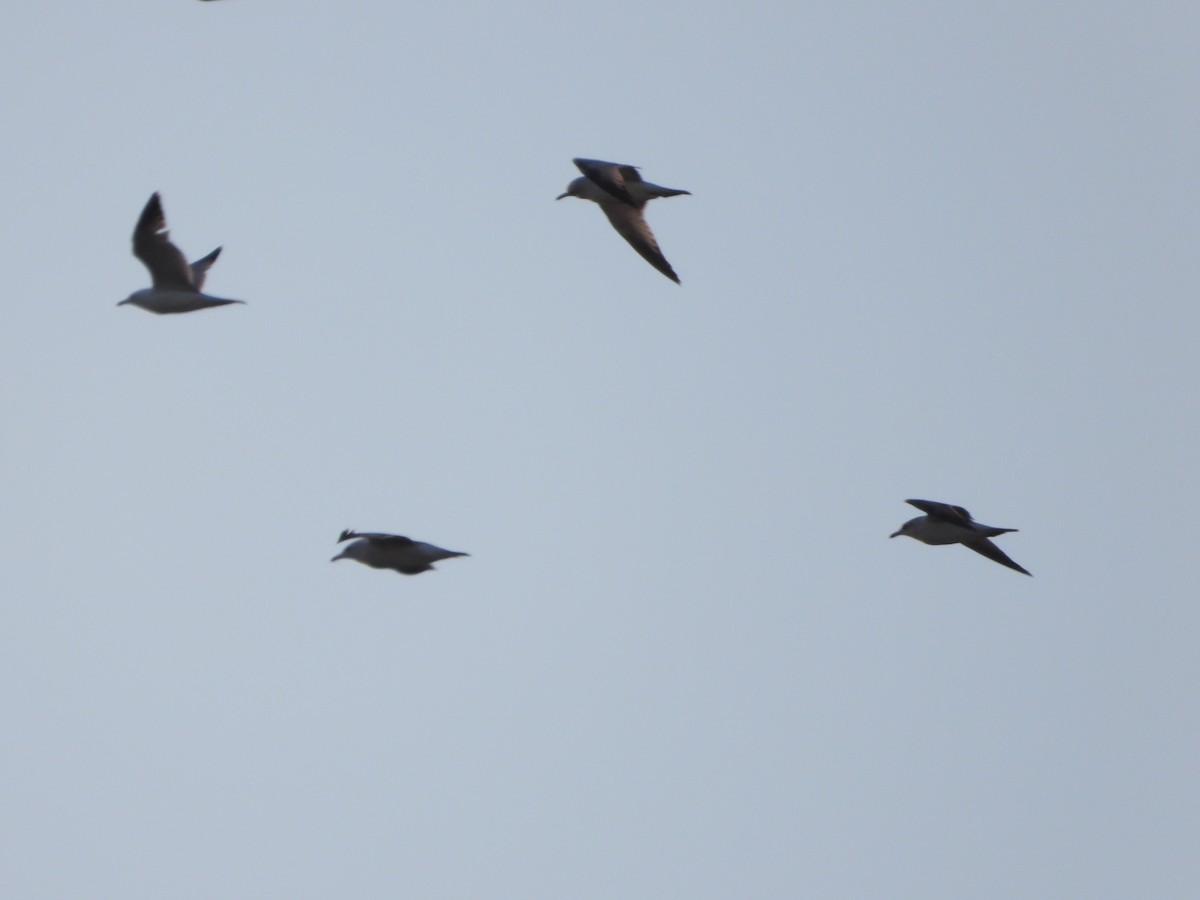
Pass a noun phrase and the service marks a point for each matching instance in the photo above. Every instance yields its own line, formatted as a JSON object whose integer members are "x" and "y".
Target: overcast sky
{"x": 934, "y": 251}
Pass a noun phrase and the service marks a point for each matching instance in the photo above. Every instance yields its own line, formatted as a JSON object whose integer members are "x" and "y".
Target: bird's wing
{"x": 629, "y": 174}
{"x": 386, "y": 540}
{"x": 631, "y": 225}
{"x": 201, "y": 266}
{"x": 169, "y": 269}
{"x": 611, "y": 178}
{"x": 944, "y": 511}
{"x": 984, "y": 547}
{"x": 394, "y": 539}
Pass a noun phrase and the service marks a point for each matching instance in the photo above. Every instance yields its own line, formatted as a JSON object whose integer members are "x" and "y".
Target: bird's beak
{"x": 560, "y": 196}
{"x": 895, "y": 534}
{"x": 123, "y": 302}
{"x": 336, "y": 558}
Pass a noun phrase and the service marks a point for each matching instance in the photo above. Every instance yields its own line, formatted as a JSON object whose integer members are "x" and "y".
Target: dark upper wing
{"x": 986, "y": 548}
{"x": 610, "y": 177}
{"x": 630, "y": 174}
{"x": 943, "y": 511}
{"x": 169, "y": 269}
{"x": 201, "y": 266}
{"x": 388, "y": 540}
{"x": 631, "y": 225}
{"x": 393, "y": 540}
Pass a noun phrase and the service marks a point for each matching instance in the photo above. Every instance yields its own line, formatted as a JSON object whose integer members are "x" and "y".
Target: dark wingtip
{"x": 346, "y": 535}
{"x": 152, "y": 210}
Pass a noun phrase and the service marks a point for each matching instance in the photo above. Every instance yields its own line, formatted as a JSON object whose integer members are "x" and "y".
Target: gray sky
{"x": 933, "y": 251}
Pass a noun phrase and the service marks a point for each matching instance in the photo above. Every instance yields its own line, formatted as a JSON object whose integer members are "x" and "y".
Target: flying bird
{"x": 622, "y": 195}
{"x": 176, "y": 284}
{"x": 946, "y": 524}
{"x": 391, "y": 551}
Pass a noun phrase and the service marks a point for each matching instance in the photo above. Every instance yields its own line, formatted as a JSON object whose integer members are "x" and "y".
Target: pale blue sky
{"x": 932, "y": 251}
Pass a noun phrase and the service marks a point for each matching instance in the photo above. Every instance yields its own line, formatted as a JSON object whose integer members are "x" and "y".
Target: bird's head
{"x": 574, "y": 189}
{"x": 351, "y": 551}
{"x": 135, "y": 298}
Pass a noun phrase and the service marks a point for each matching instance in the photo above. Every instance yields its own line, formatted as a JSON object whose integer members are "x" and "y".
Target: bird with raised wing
{"x": 622, "y": 194}
{"x": 176, "y": 284}
{"x": 946, "y": 524}
{"x": 392, "y": 551}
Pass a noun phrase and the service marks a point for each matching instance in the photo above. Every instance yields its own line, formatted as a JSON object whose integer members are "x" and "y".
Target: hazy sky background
{"x": 934, "y": 250}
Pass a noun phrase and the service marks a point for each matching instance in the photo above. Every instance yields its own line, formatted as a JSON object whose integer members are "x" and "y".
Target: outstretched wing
{"x": 631, "y": 225}
{"x": 612, "y": 178}
{"x": 169, "y": 269}
{"x": 391, "y": 540}
{"x": 944, "y": 511}
{"x": 984, "y": 547}
{"x": 201, "y": 266}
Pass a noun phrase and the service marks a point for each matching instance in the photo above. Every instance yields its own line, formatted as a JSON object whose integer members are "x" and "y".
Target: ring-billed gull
{"x": 391, "y": 551}
{"x": 946, "y": 524}
{"x": 176, "y": 284}
{"x": 622, "y": 194}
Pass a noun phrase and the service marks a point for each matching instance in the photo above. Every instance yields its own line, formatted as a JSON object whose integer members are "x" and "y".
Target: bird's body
{"x": 392, "y": 551}
{"x": 622, "y": 195}
{"x": 176, "y": 283}
{"x": 164, "y": 302}
{"x": 947, "y": 524}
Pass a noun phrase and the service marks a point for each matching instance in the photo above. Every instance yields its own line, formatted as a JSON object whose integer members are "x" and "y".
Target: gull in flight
{"x": 176, "y": 284}
{"x": 622, "y": 195}
{"x": 946, "y": 524}
{"x": 391, "y": 551}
